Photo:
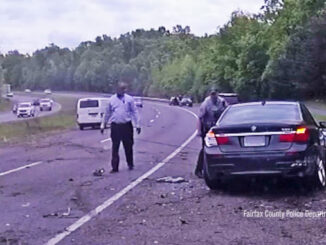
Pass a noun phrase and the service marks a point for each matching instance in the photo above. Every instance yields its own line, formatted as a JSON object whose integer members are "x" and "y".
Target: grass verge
{"x": 5, "y": 105}
{"x": 64, "y": 119}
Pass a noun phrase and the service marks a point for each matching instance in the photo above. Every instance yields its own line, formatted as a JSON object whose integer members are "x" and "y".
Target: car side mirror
{"x": 322, "y": 124}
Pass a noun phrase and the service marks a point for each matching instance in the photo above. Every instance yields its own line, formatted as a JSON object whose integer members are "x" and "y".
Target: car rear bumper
{"x": 285, "y": 164}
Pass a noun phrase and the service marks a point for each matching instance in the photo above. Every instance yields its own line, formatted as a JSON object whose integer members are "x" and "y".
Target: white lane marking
{"x": 151, "y": 121}
{"x": 120, "y": 194}
{"x": 157, "y": 116}
{"x": 109, "y": 139}
{"x": 20, "y": 168}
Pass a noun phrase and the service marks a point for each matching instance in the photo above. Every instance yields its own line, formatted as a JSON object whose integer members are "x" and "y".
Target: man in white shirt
{"x": 121, "y": 112}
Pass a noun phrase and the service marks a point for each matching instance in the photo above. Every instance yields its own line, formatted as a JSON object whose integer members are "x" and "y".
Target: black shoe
{"x": 131, "y": 167}
{"x": 199, "y": 174}
{"x": 114, "y": 171}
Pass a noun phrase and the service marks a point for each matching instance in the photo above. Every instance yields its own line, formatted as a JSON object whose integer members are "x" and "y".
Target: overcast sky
{"x": 27, "y": 25}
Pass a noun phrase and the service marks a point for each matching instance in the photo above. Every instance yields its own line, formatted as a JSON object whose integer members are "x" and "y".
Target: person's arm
{"x": 135, "y": 115}
{"x": 224, "y": 103}
{"x": 106, "y": 117}
{"x": 201, "y": 116}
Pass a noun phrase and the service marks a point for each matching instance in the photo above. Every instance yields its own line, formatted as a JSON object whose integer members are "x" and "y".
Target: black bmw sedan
{"x": 266, "y": 138}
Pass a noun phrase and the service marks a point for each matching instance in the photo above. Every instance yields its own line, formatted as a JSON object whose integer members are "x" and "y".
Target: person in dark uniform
{"x": 210, "y": 111}
{"x": 121, "y": 111}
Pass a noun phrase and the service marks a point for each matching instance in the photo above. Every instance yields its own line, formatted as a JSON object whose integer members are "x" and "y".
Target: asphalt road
{"x": 9, "y": 116}
{"x": 31, "y": 198}
{"x": 57, "y": 200}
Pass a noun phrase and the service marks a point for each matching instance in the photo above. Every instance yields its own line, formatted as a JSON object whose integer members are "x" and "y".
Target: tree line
{"x": 278, "y": 53}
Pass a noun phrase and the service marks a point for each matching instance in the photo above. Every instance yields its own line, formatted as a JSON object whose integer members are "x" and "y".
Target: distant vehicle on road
{"x": 90, "y": 111}
{"x": 138, "y": 101}
{"x": 230, "y": 98}
{"x": 48, "y": 91}
{"x": 174, "y": 101}
{"x": 186, "y": 101}
{"x": 25, "y": 109}
{"x": 46, "y": 105}
{"x": 265, "y": 138}
{"x": 10, "y": 94}
{"x": 28, "y": 90}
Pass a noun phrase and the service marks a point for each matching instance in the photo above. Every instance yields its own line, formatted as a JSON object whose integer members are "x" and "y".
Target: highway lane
{"x": 21, "y": 97}
{"x": 34, "y": 200}
{"x": 40, "y": 202}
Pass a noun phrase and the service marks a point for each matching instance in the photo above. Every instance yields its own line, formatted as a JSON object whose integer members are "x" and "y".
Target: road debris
{"x": 86, "y": 183}
{"x": 99, "y": 172}
{"x": 183, "y": 222}
{"x": 25, "y": 205}
{"x": 67, "y": 213}
{"x": 57, "y": 214}
{"x": 170, "y": 179}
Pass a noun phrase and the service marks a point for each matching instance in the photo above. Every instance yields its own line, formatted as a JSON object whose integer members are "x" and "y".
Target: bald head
{"x": 121, "y": 89}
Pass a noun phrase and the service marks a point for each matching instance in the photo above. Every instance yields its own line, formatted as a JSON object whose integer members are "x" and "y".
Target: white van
{"x": 90, "y": 111}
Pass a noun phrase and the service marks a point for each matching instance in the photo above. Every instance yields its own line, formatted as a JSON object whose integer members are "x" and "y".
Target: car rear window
{"x": 24, "y": 105}
{"x": 258, "y": 113}
{"x": 88, "y": 103}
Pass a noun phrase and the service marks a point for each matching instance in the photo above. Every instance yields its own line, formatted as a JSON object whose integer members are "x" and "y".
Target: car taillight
{"x": 214, "y": 140}
{"x": 222, "y": 140}
{"x": 300, "y": 135}
{"x": 210, "y": 139}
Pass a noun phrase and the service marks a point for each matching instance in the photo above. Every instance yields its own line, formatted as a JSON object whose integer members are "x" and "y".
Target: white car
{"x": 46, "y": 104}
{"x": 25, "y": 109}
{"x": 10, "y": 94}
{"x": 28, "y": 90}
{"x": 48, "y": 91}
{"x": 90, "y": 111}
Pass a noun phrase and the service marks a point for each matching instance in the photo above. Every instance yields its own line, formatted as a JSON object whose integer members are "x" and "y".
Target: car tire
{"x": 212, "y": 183}
{"x": 318, "y": 179}
{"x": 41, "y": 109}
{"x": 50, "y": 109}
{"x": 316, "y": 173}
{"x": 81, "y": 127}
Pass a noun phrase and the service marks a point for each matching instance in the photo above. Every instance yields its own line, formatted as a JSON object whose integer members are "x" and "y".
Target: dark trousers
{"x": 122, "y": 132}
{"x": 200, "y": 160}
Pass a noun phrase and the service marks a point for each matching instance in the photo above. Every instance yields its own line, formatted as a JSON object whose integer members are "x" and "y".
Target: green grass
{"x": 5, "y": 105}
{"x": 62, "y": 120}
{"x": 317, "y": 104}
{"x": 320, "y": 118}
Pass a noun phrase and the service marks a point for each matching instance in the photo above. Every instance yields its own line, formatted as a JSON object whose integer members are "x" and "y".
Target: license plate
{"x": 250, "y": 141}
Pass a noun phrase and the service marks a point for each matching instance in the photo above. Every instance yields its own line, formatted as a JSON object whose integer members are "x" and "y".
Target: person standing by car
{"x": 209, "y": 112}
{"x": 120, "y": 112}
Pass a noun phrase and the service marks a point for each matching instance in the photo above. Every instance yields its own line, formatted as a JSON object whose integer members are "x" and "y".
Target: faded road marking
{"x": 20, "y": 168}
{"x": 120, "y": 194}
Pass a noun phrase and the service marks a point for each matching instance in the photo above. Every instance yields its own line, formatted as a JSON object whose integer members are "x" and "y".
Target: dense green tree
{"x": 278, "y": 53}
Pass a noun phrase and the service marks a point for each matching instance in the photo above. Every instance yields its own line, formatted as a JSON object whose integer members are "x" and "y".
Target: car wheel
{"x": 81, "y": 127}
{"x": 41, "y": 109}
{"x": 211, "y": 182}
{"x": 319, "y": 176}
{"x": 50, "y": 109}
